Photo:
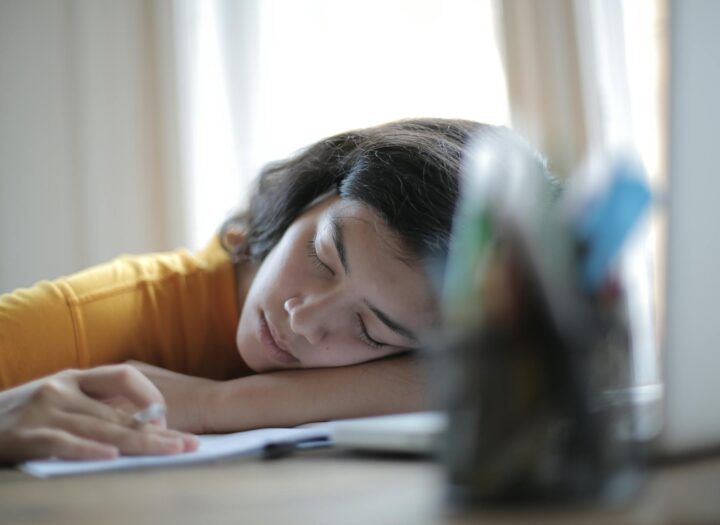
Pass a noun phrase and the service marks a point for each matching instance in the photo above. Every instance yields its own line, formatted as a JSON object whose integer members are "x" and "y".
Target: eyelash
{"x": 313, "y": 255}
{"x": 365, "y": 336}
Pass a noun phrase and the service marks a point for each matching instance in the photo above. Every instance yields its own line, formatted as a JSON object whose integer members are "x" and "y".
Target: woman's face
{"x": 334, "y": 292}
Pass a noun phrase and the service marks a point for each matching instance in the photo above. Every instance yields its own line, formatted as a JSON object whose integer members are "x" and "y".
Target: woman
{"x": 326, "y": 269}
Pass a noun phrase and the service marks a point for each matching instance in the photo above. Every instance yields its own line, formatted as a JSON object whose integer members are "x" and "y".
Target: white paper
{"x": 211, "y": 447}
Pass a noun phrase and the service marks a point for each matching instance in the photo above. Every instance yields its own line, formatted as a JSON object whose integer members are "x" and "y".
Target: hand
{"x": 64, "y": 415}
{"x": 187, "y": 397}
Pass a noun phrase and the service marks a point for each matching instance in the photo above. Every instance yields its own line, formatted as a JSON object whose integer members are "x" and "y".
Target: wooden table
{"x": 326, "y": 487}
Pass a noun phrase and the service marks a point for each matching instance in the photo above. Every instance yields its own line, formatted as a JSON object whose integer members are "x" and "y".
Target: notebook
{"x": 212, "y": 447}
{"x": 411, "y": 433}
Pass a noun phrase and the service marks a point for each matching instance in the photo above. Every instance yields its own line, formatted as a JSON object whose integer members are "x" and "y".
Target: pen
{"x": 281, "y": 449}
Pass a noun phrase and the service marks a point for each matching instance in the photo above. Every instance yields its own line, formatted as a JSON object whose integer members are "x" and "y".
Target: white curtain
{"x": 264, "y": 78}
{"x": 137, "y": 125}
{"x": 217, "y": 51}
{"x": 569, "y": 89}
{"x": 88, "y": 150}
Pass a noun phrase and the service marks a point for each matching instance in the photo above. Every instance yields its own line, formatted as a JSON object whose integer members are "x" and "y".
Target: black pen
{"x": 281, "y": 449}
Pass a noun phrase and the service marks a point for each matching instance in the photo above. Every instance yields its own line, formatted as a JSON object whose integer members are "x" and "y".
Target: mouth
{"x": 276, "y": 351}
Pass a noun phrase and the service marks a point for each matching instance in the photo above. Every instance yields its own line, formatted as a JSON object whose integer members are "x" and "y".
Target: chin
{"x": 249, "y": 356}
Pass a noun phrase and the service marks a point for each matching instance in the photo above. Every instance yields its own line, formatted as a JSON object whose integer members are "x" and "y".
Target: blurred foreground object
{"x": 537, "y": 368}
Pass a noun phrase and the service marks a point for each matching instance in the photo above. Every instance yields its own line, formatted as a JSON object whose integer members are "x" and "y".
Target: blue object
{"x": 605, "y": 225}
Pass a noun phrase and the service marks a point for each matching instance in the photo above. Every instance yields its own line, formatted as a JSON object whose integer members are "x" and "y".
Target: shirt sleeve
{"x": 36, "y": 334}
{"x": 177, "y": 310}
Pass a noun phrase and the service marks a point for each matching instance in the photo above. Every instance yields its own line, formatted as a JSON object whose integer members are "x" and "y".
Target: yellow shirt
{"x": 177, "y": 310}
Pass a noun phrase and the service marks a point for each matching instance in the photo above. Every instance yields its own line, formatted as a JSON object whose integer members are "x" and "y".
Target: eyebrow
{"x": 336, "y": 228}
{"x": 339, "y": 241}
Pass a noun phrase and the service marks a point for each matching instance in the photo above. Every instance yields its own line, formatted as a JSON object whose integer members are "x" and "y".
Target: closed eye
{"x": 365, "y": 336}
{"x": 315, "y": 259}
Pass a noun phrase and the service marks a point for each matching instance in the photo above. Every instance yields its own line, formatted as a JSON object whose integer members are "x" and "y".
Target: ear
{"x": 233, "y": 239}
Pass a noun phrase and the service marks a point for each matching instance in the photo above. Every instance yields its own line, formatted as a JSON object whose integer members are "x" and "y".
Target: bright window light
{"x": 320, "y": 67}
{"x": 328, "y": 66}
{"x": 213, "y": 182}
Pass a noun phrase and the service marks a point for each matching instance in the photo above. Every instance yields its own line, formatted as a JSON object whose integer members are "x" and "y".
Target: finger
{"x": 145, "y": 367}
{"x": 76, "y": 401}
{"x": 146, "y": 440}
{"x": 86, "y": 406}
{"x": 119, "y": 380}
{"x": 190, "y": 442}
{"x": 52, "y": 442}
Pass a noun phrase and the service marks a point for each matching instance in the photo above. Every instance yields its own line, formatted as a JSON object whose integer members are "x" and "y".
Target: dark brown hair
{"x": 407, "y": 171}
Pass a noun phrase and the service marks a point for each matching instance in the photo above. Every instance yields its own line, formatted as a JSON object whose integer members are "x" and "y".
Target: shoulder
{"x": 152, "y": 269}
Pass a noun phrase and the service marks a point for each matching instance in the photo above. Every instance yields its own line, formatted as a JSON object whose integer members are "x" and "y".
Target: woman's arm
{"x": 292, "y": 397}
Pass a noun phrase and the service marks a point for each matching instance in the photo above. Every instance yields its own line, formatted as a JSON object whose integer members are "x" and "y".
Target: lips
{"x": 276, "y": 351}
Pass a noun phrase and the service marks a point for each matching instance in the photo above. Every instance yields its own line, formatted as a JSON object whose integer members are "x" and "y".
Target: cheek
{"x": 280, "y": 275}
{"x": 277, "y": 281}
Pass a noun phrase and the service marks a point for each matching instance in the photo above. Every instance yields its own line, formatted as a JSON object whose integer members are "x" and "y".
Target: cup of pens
{"x": 536, "y": 367}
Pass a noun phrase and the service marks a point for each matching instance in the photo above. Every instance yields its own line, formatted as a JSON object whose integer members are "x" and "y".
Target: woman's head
{"x": 339, "y": 234}
{"x": 406, "y": 171}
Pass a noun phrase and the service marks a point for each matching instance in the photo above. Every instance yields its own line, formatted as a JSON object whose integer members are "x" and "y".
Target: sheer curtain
{"x": 267, "y": 77}
{"x": 586, "y": 77}
{"x": 138, "y": 125}
{"x": 88, "y": 155}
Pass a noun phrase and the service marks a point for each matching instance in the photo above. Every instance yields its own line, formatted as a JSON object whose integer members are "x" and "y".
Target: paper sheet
{"x": 211, "y": 447}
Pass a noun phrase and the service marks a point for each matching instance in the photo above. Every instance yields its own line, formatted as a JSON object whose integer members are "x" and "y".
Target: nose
{"x": 311, "y": 315}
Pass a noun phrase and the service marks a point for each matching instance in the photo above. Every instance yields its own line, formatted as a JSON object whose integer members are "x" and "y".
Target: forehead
{"x": 381, "y": 269}
{"x": 362, "y": 225}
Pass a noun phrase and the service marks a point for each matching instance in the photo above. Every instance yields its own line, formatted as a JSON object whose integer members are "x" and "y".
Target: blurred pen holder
{"x": 539, "y": 408}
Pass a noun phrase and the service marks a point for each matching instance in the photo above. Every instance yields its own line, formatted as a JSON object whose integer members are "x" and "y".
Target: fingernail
{"x": 191, "y": 442}
{"x": 108, "y": 453}
{"x": 172, "y": 444}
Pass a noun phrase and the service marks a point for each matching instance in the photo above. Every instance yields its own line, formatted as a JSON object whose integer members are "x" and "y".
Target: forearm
{"x": 293, "y": 397}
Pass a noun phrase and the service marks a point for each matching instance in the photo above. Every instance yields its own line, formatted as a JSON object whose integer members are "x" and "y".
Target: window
{"x": 269, "y": 77}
